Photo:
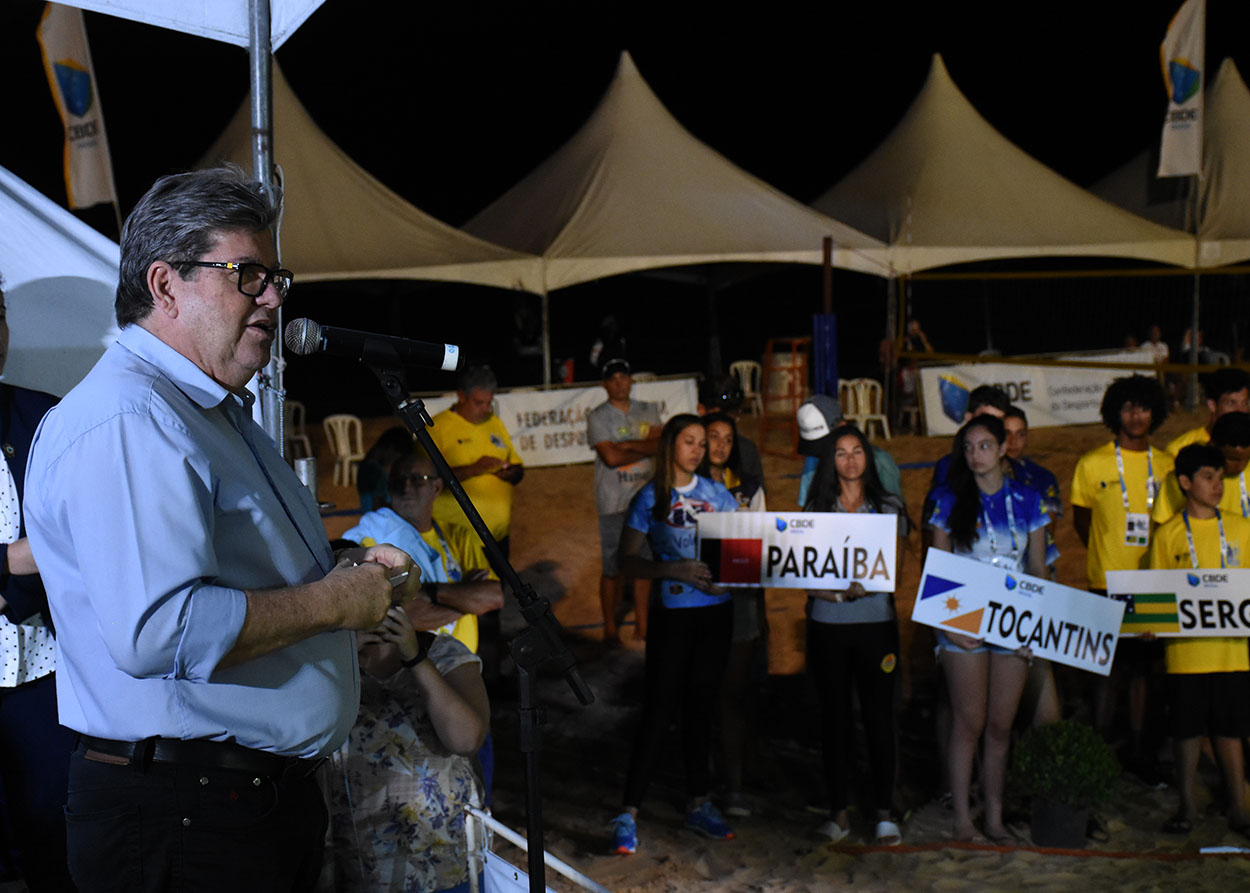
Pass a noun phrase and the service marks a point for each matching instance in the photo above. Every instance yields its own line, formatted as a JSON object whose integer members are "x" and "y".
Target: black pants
{"x": 180, "y": 828}
{"x": 864, "y": 655}
{"x": 687, "y": 650}
{"x": 34, "y": 759}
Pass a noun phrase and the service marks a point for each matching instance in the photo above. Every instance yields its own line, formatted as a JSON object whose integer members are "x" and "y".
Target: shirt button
{"x": 203, "y": 779}
{"x": 186, "y": 823}
{"x": 255, "y": 782}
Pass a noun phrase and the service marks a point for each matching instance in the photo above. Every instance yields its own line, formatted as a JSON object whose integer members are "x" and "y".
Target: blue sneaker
{"x": 624, "y": 834}
{"x": 707, "y": 820}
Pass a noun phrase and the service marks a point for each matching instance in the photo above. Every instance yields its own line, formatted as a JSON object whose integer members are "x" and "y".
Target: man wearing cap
{"x": 817, "y": 418}
{"x": 625, "y": 434}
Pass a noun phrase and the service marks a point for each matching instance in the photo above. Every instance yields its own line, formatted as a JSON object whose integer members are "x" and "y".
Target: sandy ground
{"x": 556, "y": 550}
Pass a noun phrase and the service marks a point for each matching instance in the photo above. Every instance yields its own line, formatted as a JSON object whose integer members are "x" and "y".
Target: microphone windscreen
{"x": 303, "y": 336}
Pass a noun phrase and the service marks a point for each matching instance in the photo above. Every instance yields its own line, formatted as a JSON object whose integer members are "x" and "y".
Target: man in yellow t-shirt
{"x": 1114, "y": 489}
{"x": 476, "y": 445}
{"x": 1209, "y": 677}
{"x": 1227, "y": 390}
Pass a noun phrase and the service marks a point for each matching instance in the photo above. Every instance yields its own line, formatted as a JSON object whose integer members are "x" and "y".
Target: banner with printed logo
{"x": 1013, "y": 610}
{"x": 1050, "y": 395}
{"x": 67, "y": 61}
{"x": 549, "y": 427}
{"x": 1183, "y": 602}
{"x": 800, "y": 550}
{"x": 1182, "y": 54}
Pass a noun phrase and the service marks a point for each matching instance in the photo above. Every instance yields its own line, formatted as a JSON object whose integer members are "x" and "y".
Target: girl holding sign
{"x": 852, "y": 640}
{"x": 982, "y": 514}
{"x": 688, "y": 635}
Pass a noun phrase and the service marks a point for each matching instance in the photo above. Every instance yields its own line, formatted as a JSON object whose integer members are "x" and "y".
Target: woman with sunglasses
{"x": 981, "y": 513}
{"x": 688, "y": 635}
{"x": 852, "y": 644}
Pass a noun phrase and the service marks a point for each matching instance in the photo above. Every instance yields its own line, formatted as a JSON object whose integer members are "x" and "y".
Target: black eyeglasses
{"x": 253, "y": 278}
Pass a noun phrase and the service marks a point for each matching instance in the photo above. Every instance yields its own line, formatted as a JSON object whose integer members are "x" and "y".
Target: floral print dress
{"x": 397, "y": 801}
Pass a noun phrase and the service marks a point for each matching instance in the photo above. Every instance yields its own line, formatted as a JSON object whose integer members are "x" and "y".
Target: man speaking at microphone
{"x": 205, "y": 656}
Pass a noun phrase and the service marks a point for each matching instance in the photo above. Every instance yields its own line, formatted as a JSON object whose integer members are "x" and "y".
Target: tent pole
{"x": 260, "y": 61}
{"x": 546, "y": 305}
{"x": 1192, "y": 206}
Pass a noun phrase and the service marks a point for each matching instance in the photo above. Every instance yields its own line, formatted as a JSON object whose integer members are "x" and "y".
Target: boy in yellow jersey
{"x": 1227, "y": 390}
{"x": 1208, "y": 677}
{"x": 1114, "y": 489}
{"x": 1231, "y": 434}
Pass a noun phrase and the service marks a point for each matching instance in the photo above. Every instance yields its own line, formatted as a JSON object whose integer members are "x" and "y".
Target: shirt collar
{"x": 188, "y": 377}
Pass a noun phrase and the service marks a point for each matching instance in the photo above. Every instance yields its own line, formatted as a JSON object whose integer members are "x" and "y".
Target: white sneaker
{"x": 833, "y": 831}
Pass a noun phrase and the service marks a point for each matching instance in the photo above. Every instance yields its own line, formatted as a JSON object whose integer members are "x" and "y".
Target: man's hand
{"x": 360, "y": 594}
{"x": 486, "y": 465}
{"x": 396, "y": 561}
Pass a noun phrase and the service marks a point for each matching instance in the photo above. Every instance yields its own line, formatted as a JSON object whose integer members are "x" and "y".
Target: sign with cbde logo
{"x": 1013, "y": 610}
{"x": 799, "y": 550}
{"x": 1203, "y": 602}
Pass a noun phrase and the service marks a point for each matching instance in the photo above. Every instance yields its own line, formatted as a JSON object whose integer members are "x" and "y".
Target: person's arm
{"x": 479, "y": 595}
{"x": 626, "y": 452}
{"x": 483, "y": 465}
{"x": 1081, "y": 517}
{"x": 686, "y": 570}
{"x": 1037, "y": 553}
{"x": 18, "y": 559}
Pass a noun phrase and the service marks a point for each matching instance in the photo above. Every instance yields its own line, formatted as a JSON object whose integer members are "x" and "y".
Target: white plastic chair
{"x": 868, "y": 406}
{"x": 749, "y": 375}
{"x": 846, "y": 397}
{"x": 297, "y": 443}
{"x": 346, "y": 438}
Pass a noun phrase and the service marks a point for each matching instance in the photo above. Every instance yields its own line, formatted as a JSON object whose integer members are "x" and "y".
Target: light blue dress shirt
{"x": 152, "y": 501}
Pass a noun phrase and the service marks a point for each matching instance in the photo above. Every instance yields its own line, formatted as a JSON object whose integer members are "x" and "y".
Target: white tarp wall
{"x": 60, "y": 281}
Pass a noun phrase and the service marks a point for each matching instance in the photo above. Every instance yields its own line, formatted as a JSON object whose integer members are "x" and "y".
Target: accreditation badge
{"x": 1136, "y": 529}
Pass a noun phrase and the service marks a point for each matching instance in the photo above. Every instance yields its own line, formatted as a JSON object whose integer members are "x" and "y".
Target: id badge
{"x": 1136, "y": 529}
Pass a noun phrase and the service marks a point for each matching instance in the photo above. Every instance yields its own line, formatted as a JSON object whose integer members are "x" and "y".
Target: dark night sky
{"x": 449, "y": 104}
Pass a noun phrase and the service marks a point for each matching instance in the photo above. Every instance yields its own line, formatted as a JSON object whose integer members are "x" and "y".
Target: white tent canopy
{"x": 60, "y": 281}
{"x": 945, "y": 187}
{"x": 341, "y": 223}
{"x": 224, "y": 20}
{"x": 633, "y": 190}
{"x": 1223, "y": 207}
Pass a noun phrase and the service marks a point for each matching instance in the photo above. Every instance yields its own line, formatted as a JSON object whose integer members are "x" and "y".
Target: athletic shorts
{"x": 945, "y": 644}
{"x": 1215, "y": 704}
{"x": 610, "y": 527}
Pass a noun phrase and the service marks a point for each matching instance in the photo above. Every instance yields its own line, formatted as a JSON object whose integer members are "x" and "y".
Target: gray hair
{"x": 178, "y": 220}
{"x": 478, "y": 378}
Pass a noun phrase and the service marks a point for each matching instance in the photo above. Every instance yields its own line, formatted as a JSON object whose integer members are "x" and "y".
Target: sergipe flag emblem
{"x": 75, "y": 84}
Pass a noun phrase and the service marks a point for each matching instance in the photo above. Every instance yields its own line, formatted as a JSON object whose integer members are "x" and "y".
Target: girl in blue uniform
{"x": 688, "y": 636}
{"x": 981, "y": 513}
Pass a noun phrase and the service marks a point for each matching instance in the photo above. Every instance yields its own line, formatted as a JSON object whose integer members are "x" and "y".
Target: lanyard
{"x": 1189, "y": 537}
{"x": 1150, "y": 477}
{"x": 1011, "y": 523}
{"x": 451, "y": 567}
{"x": 1245, "y": 500}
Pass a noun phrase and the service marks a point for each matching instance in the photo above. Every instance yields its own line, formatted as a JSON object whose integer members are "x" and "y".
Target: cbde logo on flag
{"x": 1184, "y": 79}
{"x": 1192, "y": 579}
{"x": 781, "y": 525}
{"x": 75, "y": 84}
{"x": 1010, "y": 582}
{"x": 954, "y": 395}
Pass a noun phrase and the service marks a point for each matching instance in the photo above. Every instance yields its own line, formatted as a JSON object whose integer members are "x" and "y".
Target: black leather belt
{"x": 197, "y": 753}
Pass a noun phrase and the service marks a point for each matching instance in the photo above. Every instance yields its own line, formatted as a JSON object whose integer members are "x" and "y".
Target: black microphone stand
{"x": 540, "y": 641}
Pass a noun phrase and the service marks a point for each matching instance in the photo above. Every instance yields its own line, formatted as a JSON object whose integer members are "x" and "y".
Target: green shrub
{"x": 1065, "y": 762}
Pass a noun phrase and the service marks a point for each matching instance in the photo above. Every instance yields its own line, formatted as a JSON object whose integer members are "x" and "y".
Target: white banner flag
{"x": 1182, "y": 55}
{"x": 67, "y": 61}
{"x": 800, "y": 550}
{"x": 1011, "y": 609}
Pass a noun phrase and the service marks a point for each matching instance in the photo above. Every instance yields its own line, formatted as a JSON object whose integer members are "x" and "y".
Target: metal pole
{"x": 260, "y": 65}
{"x": 546, "y": 305}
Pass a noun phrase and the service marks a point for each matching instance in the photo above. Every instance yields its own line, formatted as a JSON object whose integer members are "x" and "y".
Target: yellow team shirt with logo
{"x": 1194, "y": 435}
{"x": 1169, "y": 550}
{"x": 1170, "y": 503}
{"x": 466, "y": 552}
{"x": 1096, "y": 486}
{"x": 463, "y": 443}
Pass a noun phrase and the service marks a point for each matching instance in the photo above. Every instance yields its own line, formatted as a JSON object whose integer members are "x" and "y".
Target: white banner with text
{"x": 1204, "y": 602}
{"x": 1013, "y": 610}
{"x": 1049, "y": 395}
{"x": 799, "y": 550}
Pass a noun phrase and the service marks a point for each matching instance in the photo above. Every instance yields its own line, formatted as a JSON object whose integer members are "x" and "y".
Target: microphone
{"x": 303, "y": 336}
